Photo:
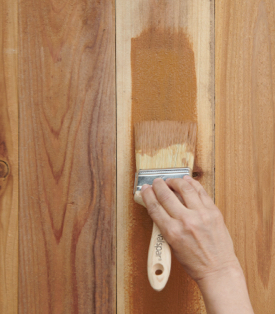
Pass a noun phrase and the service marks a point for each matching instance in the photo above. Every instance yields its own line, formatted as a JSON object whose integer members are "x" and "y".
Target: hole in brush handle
{"x": 158, "y": 269}
{"x": 158, "y": 272}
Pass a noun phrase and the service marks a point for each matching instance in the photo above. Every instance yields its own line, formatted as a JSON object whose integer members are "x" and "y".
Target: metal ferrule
{"x": 147, "y": 176}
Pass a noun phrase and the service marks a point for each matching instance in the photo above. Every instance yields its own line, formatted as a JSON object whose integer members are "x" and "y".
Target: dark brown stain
{"x": 163, "y": 88}
{"x": 197, "y": 171}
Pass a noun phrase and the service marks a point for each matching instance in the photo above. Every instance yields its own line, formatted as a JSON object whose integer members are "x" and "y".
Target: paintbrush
{"x": 163, "y": 149}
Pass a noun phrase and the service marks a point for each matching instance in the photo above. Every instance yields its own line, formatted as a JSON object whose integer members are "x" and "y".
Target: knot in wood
{"x": 4, "y": 169}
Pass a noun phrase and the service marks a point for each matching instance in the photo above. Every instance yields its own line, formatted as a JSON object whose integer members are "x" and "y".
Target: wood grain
{"x": 179, "y": 37}
{"x": 67, "y": 157}
{"x": 8, "y": 158}
{"x": 245, "y": 138}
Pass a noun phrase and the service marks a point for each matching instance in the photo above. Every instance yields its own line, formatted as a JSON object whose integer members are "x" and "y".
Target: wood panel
{"x": 67, "y": 156}
{"x": 245, "y": 138}
{"x": 165, "y": 71}
{"x": 8, "y": 158}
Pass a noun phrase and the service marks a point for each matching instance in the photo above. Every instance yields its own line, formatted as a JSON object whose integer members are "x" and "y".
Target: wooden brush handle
{"x": 159, "y": 255}
{"x": 159, "y": 260}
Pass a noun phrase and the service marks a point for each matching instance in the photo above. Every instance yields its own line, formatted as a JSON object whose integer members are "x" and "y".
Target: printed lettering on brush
{"x": 158, "y": 246}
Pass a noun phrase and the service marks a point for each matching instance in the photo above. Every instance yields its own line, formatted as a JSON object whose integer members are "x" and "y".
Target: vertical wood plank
{"x": 245, "y": 138}
{"x": 67, "y": 156}
{"x": 161, "y": 47}
{"x": 8, "y": 158}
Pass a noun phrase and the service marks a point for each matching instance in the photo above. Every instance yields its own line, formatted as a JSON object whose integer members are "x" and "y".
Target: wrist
{"x": 232, "y": 271}
{"x": 225, "y": 292}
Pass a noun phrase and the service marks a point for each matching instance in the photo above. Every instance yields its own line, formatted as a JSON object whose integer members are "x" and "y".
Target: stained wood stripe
{"x": 67, "y": 157}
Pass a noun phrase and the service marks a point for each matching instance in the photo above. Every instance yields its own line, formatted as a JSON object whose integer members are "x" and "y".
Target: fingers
{"x": 187, "y": 191}
{"x": 155, "y": 210}
{"x": 168, "y": 200}
{"x": 205, "y": 198}
{"x": 164, "y": 204}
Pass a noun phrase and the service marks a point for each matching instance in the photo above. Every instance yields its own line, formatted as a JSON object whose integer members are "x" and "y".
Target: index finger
{"x": 168, "y": 199}
{"x": 188, "y": 193}
{"x": 155, "y": 210}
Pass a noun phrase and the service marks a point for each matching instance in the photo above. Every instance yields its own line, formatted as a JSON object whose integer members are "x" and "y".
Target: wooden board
{"x": 245, "y": 138}
{"x": 8, "y": 158}
{"x": 165, "y": 71}
{"x": 67, "y": 157}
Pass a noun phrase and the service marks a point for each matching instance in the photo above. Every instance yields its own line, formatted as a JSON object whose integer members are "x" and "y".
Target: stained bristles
{"x": 165, "y": 144}
{"x": 153, "y": 135}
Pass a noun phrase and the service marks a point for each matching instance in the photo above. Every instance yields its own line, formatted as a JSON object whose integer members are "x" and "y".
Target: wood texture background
{"x": 66, "y": 136}
{"x": 8, "y": 158}
{"x": 67, "y": 157}
{"x": 245, "y": 138}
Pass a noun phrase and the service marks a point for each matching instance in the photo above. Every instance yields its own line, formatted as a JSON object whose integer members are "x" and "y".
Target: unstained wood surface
{"x": 8, "y": 158}
{"x": 67, "y": 157}
{"x": 245, "y": 138}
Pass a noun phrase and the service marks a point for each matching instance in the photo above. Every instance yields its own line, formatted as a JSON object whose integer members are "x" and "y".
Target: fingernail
{"x": 168, "y": 179}
{"x": 144, "y": 187}
{"x": 157, "y": 179}
{"x": 188, "y": 178}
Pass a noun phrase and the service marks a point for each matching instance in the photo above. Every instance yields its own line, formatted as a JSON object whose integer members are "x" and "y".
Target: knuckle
{"x": 174, "y": 234}
{"x": 164, "y": 197}
{"x": 153, "y": 207}
{"x": 191, "y": 224}
{"x": 202, "y": 191}
{"x": 186, "y": 188}
{"x": 211, "y": 217}
{"x": 197, "y": 184}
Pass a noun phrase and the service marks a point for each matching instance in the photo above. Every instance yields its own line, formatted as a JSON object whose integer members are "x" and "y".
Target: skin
{"x": 194, "y": 228}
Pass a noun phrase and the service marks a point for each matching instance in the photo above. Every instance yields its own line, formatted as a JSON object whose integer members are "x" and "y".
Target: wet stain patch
{"x": 163, "y": 77}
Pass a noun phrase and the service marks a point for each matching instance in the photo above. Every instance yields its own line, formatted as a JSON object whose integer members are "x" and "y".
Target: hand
{"x": 194, "y": 227}
{"x": 191, "y": 224}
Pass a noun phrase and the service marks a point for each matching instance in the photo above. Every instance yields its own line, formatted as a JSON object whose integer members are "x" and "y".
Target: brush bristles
{"x": 165, "y": 144}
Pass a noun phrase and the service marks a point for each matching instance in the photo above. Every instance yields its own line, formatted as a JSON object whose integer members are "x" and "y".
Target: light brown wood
{"x": 245, "y": 138}
{"x": 8, "y": 158}
{"x": 67, "y": 157}
{"x": 184, "y": 21}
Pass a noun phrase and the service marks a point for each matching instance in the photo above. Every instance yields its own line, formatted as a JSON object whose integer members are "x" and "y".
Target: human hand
{"x": 192, "y": 225}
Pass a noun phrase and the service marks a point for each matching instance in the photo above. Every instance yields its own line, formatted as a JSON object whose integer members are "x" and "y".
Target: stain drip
{"x": 163, "y": 88}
